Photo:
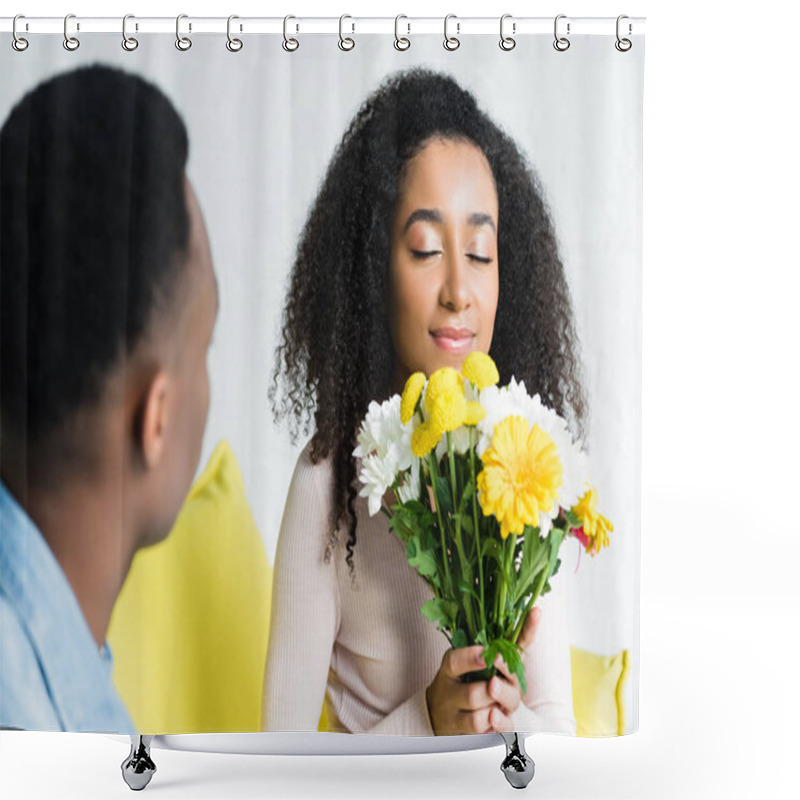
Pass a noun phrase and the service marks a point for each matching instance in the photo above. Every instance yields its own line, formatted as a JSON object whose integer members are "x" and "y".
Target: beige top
{"x": 366, "y": 650}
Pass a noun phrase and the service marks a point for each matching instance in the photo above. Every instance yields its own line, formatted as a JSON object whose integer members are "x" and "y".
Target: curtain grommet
{"x": 129, "y": 43}
{"x": 183, "y": 43}
{"x": 346, "y": 43}
{"x": 71, "y": 43}
{"x": 451, "y": 43}
{"x": 233, "y": 44}
{"x": 289, "y": 44}
{"x": 507, "y": 43}
{"x": 19, "y": 43}
{"x": 561, "y": 43}
{"x": 623, "y": 44}
{"x": 401, "y": 43}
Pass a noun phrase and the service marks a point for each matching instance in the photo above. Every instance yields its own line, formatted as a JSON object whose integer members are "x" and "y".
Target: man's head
{"x": 108, "y": 296}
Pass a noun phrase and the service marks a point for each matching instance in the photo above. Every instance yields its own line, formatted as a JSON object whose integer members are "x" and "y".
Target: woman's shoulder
{"x": 312, "y": 478}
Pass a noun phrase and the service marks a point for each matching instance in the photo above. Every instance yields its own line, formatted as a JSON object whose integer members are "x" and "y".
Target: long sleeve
{"x": 410, "y": 718}
{"x": 547, "y": 705}
{"x": 306, "y": 611}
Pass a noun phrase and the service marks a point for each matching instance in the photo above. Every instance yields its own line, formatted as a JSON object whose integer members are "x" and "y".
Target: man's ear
{"x": 154, "y": 420}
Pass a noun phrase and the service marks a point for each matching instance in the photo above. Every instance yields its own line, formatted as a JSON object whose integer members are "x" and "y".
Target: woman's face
{"x": 444, "y": 271}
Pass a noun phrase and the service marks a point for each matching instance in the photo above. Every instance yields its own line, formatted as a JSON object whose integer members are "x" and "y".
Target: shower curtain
{"x": 253, "y": 478}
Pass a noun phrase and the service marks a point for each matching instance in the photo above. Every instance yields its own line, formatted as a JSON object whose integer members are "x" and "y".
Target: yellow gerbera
{"x": 424, "y": 438}
{"x": 411, "y": 393}
{"x": 521, "y": 475}
{"x": 596, "y": 527}
{"x": 480, "y": 370}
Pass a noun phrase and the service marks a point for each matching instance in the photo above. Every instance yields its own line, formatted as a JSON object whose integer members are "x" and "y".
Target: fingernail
{"x": 479, "y": 658}
{"x": 494, "y": 689}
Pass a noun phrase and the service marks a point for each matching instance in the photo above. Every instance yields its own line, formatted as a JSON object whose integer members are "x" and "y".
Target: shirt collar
{"x": 78, "y": 674}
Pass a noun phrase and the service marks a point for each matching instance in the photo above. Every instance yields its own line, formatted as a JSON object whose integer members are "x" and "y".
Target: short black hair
{"x": 94, "y": 231}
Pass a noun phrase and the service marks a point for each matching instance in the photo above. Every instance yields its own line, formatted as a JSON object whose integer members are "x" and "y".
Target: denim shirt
{"x": 52, "y": 675}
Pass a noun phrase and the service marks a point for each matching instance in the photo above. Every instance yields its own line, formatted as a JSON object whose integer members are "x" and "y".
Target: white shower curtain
{"x": 263, "y": 126}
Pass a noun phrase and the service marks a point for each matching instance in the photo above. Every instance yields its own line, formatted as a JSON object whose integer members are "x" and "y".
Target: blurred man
{"x": 108, "y": 300}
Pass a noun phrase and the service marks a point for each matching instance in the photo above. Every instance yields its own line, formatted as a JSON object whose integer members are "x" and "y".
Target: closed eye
{"x": 420, "y": 254}
{"x": 479, "y": 259}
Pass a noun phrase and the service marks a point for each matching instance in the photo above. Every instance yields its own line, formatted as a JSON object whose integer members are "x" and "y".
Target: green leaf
{"x": 441, "y": 611}
{"x": 416, "y": 507}
{"x": 459, "y": 639}
{"x": 481, "y": 638}
{"x": 555, "y": 536}
{"x": 491, "y": 548}
{"x": 466, "y": 495}
{"x": 404, "y": 525}
{"x": 534, "y": 560}
{"x": 422, "y": 560}
{"x": 512, "y": 655}
{"x": 444, "y": 499}
{"x": 465, "y": 588}
{"x": 573, "y": 519}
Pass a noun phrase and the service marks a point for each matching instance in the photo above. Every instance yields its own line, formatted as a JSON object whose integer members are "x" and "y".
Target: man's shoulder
{"x": 24, "y": 697}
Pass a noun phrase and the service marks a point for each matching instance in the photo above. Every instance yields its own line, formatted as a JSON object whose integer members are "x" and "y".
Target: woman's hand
{"x": 482, "y": 706}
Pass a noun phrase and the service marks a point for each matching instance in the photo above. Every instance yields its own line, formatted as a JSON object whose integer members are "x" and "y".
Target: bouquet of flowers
{"x": 488, "y": 483}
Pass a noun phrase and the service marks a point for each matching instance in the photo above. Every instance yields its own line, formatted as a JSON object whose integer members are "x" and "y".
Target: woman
{"x": 428, "y": 239}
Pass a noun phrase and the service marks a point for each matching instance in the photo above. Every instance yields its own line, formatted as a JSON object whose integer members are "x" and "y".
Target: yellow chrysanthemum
{"x": 443, "y": 381}
{"x": 521, "y": 475}
{"x": 449, "y": 412}
{"x": 475, "y": 413}
{"x": 424, "y": 438}
{"x": 480, "y": 370}
{"x": 411, "y": 393}
{"x": 596, "y": 527}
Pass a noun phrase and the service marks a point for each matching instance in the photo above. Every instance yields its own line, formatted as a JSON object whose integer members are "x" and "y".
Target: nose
{"x": 455, "y": 292}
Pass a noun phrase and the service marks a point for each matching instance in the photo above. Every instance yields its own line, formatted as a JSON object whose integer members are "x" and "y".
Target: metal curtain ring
{"x": 234, "y": 45}
{"x": 183, "y": 43}
{"x": 128, "y": 42}
{"x": 623, "y": 45}
{"x": 451, "y": 42}
{"x": 561, "y": 43}
{"x": 289, "y": 44}
{"x": 345, "y": 42}
{"x": 18, "y": 43}
{"x": 507, "y": 42}
{"x": 401, "y": 42}
{"x": 70, "y": 42}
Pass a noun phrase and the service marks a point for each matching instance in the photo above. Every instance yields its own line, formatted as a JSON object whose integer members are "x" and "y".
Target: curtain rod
{"x": 461, "y": 26}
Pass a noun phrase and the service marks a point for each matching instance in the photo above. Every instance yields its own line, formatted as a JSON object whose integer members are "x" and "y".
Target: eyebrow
{"x": 435, "y": 216}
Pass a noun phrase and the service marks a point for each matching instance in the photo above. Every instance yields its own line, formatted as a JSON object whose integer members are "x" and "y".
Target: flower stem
{"x": 556, "y": 536}
{"x": 477, "y": 529}
{"x": 508, "y": 553}
{"x": 435, "y": 474}
{"x": 466, "y": 572}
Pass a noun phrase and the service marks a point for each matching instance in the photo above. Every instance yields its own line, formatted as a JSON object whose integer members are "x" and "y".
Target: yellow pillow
{"x": 597, "y": 692}
{"x": 189, "y": 630}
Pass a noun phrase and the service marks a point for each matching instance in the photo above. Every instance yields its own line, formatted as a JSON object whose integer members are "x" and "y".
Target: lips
{"x": 453, "y": 340}
{"x": 454, "y": 333}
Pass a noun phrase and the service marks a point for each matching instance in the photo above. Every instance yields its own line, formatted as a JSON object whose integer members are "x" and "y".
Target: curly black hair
{"x": 93, "y": 236}
{"x": 336, "y": 352}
